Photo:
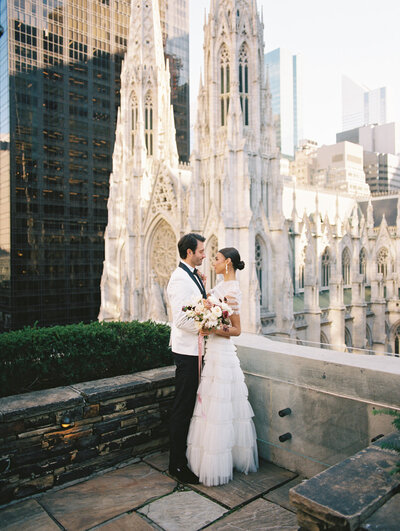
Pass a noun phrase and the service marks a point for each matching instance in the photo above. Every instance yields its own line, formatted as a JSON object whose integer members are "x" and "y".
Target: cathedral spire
{"x": 370, "y": 218}
{"x": 145, "y": 39}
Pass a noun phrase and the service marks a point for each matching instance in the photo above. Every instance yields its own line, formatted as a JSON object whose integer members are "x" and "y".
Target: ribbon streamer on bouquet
{"x": 200, "y": 344}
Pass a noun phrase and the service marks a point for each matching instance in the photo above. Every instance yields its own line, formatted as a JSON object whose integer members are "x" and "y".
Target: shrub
{"x": 396, "y": 424}
{"x": 40, "y": 358}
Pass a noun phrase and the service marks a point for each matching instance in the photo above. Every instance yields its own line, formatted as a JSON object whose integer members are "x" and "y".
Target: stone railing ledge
{"x": 17, "y": 407}
{"x": 348, "y": 493}
{"x": 159, "y": 377}
{"x": 108, "y": 388}
{"x": 124, "y": 385}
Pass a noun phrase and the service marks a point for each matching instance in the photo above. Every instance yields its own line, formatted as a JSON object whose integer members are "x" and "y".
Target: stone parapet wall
{"x": 332, "y": 397}
{"x": 114, "y": 420}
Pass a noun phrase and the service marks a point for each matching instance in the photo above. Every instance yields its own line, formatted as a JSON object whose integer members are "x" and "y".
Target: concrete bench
{"x": 358, "y": 493}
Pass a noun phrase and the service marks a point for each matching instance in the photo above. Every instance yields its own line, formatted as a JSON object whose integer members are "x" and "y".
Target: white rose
{"x": 216, "y": 310}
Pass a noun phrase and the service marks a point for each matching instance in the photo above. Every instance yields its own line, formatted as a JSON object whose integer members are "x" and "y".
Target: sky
{"x": 356, "y": 38}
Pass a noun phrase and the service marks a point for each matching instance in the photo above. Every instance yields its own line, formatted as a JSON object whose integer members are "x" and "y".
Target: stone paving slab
{"x": 182, "y": 511}
{"x": 281, "y": 494}
{"x": 97, "y": 500}
{"x": 132, "y": 522}
{"x": 387, "y": 518}
{"x": 158, "y": 461}
{"x": 26, "y": 516}
{"x": 244, "y": 487}
{"x": 259, "y": 515}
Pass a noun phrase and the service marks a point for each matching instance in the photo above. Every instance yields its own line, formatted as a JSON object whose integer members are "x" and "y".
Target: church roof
{"x": 382, "y": 205}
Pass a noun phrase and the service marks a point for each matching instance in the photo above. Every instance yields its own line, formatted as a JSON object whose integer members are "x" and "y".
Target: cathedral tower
{"x": 147, "y": 205}
{"x": 236, "y": 164}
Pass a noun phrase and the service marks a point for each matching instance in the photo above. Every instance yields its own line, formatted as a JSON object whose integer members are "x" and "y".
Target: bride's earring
{"x": 226, "y": 268}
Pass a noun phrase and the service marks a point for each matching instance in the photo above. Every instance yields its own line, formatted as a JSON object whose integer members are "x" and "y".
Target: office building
{"x": 383, "y": 138}
{"x": 59, "y": 94}
{"x": 382, "y": 172}
{"x": 362, "y": 106}
{"x": 284, "y": 73}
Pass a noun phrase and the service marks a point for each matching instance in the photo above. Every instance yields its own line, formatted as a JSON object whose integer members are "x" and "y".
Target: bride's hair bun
{"x": 233, "y": 254}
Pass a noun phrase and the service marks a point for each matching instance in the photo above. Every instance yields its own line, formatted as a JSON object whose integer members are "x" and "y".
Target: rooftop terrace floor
{"x": 141, "y": 496}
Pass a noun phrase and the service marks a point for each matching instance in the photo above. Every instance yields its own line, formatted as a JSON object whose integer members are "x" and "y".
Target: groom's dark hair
{"x": 189, "y": 241}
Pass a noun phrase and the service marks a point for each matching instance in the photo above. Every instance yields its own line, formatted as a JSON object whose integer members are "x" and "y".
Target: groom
{"x": 183, "y": 286}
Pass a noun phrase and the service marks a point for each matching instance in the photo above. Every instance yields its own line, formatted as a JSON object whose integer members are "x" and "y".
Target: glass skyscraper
{"x": 60, "y": 63}
{"x": 284, "y": 71}
{"x": 362, "y": 106}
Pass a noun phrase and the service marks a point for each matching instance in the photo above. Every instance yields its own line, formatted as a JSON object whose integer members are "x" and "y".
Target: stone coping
{"x": 371, "y": 379}
{"x": 15, "y": 407}
{"x": 348, "y": 493}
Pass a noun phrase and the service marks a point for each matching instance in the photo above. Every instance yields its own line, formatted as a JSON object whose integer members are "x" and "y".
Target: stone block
{"x": 346, "y": 494}
{"x": 159, "y": 377}
{"x": 40, "y": 421}
{"x": 107, "y": 388}
{"x": 106, "y": 426}
{"x": 91, "y": 411}
{"x": 34, "y": 486}
{"x": 38, "y": 403}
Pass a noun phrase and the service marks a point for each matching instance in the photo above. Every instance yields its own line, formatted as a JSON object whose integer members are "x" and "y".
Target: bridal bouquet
{"x": 209, "y": 313}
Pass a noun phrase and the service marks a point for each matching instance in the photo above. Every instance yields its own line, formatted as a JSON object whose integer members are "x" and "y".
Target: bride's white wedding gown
{"x": 222, "y": 434}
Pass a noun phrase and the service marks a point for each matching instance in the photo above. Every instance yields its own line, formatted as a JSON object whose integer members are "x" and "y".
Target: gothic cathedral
{"x": 312, "y": 258}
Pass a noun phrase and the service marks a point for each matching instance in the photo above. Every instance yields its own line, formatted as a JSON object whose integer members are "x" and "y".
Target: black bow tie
{"x": 194, "y": 271}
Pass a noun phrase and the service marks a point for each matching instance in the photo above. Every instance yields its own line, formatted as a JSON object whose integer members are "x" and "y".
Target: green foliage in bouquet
{"x": 396, "y": 424}
{"x": 40, "y": 358}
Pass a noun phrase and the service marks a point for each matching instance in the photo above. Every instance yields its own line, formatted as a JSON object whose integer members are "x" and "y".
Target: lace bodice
{"x": 229, "y": 289}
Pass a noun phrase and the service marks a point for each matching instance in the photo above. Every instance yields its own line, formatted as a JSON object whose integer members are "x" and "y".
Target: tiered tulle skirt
{"x": 221, "y": 434}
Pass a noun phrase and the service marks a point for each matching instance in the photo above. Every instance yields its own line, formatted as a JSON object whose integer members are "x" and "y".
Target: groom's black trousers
{"x": 186, "y": 383}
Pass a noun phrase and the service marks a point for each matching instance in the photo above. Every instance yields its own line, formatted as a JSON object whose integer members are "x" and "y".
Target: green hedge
{"x": 41, "y": 358}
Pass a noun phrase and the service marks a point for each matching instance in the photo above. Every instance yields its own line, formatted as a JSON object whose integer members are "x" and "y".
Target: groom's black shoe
{"x": 184, "y": 475}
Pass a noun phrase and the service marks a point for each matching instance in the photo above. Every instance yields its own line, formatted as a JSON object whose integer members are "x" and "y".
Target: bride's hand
{"x": 206, "y": 331}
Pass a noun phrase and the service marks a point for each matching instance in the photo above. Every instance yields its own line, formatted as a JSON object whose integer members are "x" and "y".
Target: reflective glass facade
{"x": 60, "y": 63}
{"x": 284, "y": 71}
{"x": 175, "y": 28}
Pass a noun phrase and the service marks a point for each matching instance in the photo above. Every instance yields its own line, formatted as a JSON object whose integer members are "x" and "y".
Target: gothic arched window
{"x": 134, "y": 119}
{"x": 346, "y": 266}
{"x": 397, "y": 342}
{"x": 348, "y": 340}
{"x": 363, "y": 263}
{"x": 225, "y": 84}
{"x": 148, "y": 123}
{"x": 244, "y": 84}
{"x": 325, "y": 268}
{"x": 211, "y": 252}
{"x": 301, "y": 276}
{"x": 261, "y": 270}
{"x": 382, "y": 260}
{"x": 324, "y": 343}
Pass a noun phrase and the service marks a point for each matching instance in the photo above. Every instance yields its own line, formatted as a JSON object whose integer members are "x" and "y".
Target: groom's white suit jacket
{"x": 181, "y": 290}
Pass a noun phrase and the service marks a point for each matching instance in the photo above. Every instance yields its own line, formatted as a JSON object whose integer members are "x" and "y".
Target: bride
{"x": 222, "y": 434}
